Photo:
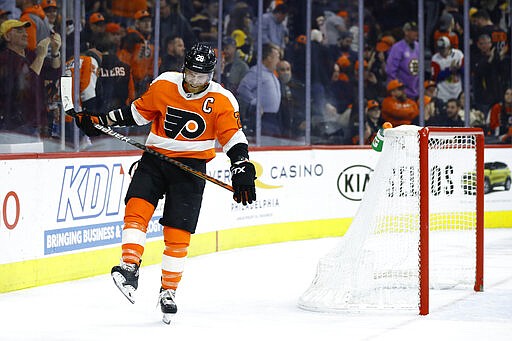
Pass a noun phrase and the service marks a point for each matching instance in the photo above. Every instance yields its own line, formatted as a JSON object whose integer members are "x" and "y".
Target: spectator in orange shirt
{"x": 397, "y": 108}
{"x": 137, "y": 50}
{"x": 39, "y": 28}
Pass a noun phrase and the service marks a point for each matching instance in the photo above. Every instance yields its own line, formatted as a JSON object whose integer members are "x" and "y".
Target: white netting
{"x": 376, "y": 264}
{"x": 452, "y": 210}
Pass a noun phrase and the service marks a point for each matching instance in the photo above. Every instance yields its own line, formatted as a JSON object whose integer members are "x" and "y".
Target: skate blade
{"x": 167, "y": 318}
{"x": 127, "y": 290}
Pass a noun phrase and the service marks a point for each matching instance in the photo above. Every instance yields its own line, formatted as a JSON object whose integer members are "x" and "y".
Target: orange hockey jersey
{"x": 187, "y": 125}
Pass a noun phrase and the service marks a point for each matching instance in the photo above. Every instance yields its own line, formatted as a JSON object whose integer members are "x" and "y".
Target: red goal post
{"x": 425, "y": 136}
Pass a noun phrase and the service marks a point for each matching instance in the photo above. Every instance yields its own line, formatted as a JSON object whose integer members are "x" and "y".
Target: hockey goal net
{"x": 418, "y": 227}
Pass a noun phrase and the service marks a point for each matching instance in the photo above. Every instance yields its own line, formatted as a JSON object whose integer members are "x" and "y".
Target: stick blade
{"x": 66, "y": 93}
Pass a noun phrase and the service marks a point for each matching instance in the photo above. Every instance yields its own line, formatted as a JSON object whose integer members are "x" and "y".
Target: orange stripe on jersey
{"x": 186, "y": 125}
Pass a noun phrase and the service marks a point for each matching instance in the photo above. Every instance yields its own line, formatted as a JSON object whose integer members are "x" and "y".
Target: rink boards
{"x": 61, "y": 216}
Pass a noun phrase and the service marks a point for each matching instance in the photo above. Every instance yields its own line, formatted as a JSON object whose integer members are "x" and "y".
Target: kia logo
{"x": 353, "y": 180}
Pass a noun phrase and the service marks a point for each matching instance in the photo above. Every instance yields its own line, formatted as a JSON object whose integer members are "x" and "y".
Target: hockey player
{"x": 188, "y": 112}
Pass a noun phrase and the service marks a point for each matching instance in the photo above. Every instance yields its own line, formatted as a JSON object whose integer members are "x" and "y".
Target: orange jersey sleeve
{"x": 187, "y": 125}
{"x": 398, "y": 113}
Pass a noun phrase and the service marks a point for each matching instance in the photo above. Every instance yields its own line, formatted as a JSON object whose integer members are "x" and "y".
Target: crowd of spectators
{"x": 117, "y": 47}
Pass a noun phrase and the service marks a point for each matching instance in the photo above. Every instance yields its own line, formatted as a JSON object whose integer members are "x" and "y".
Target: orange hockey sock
{"x": 173, "y": 258}
{"x": 138, "y": 212}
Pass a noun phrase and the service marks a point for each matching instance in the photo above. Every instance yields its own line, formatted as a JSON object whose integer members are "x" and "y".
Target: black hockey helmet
{"x": 200, "y": 58}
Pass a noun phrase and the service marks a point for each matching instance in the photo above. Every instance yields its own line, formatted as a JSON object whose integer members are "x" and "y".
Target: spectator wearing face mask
{"x": 291, "y": 110}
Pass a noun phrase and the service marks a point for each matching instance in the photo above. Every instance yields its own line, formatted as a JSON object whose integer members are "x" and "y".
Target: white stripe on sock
{"x": 173, "y": 264}
{"x": 134, "y": 236}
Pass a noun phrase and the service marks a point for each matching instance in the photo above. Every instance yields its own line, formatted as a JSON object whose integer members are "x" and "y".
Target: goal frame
{"x": 424, "y": 135}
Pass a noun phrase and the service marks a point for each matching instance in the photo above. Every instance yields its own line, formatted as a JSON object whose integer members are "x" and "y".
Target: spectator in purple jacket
{"x": 403, "y": 61}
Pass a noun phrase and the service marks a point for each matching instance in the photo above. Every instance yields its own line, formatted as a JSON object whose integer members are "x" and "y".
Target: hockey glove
{"x": 85, "y": 121}
{"x": 243, "y": 175}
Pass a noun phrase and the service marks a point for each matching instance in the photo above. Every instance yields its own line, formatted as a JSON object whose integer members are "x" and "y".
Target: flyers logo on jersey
{"x": 189, "y": 124}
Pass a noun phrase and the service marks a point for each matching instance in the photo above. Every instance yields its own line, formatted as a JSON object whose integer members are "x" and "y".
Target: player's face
{"x": 196, "y": 81}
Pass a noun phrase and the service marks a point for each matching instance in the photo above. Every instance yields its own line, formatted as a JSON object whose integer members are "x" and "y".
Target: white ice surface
{"x": 251, "y": 294}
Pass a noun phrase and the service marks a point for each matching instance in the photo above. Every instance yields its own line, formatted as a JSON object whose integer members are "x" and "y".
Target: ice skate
{"x": 126, "y": 278}
{"x": 167, "y": 304}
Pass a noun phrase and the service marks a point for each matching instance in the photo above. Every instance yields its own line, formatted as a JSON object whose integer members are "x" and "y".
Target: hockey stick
{"x": 108, "y": 131}
{"x": 67, "y": 103}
